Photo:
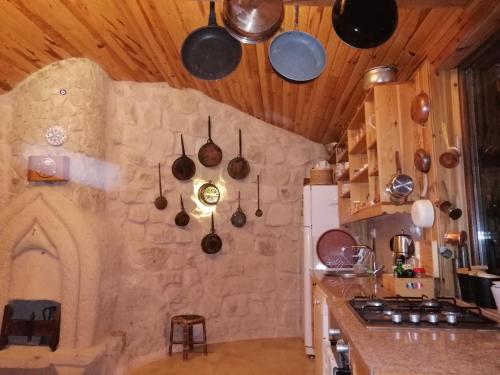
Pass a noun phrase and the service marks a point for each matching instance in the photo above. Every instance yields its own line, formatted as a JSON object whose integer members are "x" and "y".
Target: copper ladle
{"x": 258, "y": 211}
{"x": 160, "y": 202}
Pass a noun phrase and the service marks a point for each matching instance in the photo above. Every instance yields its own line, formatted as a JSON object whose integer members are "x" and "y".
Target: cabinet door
{"x": 320, "y": 327}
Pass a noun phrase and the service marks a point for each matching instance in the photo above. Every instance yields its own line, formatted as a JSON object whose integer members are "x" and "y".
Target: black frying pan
{"x": 211, "y": 243}
{"x": 183, "y": 167}
{"x": 365, "y": 24}
{"x": 210, "y": 52}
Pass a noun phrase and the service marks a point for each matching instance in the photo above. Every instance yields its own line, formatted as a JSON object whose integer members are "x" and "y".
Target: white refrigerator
{"x": 321, "y": 213}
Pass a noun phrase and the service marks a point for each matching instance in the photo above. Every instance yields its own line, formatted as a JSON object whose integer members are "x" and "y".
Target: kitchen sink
{"x": 348, "y": 274}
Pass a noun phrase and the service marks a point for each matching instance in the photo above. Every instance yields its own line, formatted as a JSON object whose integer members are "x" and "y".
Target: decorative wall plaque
{"x": 56, "y": 135}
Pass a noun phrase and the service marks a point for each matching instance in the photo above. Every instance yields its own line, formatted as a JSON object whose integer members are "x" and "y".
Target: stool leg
{"x": 185, "y": 343}
{"x": 191, "y": 340}
{"x": 171, "y": 338}
{"x": 205, "y": 337}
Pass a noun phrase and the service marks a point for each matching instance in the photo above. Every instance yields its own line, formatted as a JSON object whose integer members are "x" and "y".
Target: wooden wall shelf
{"x": 373, "y": 145}
{"x": 347, "y": 194}
{"x": 361, "y": 176}
{"x": 342, "y": 156}
{"x": 344, "y": 176}
{"x": 359, "y": 147}
{"x": 375, "y": 210}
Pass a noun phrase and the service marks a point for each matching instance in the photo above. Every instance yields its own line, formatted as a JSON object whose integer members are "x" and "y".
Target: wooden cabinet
{"x": 376, "y": 131}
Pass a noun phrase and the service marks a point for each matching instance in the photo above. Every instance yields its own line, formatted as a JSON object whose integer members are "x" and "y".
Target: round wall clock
{"x": 46, "y": 167}
{"x": 56, "y": 135}
{"x": 209, "y": 194}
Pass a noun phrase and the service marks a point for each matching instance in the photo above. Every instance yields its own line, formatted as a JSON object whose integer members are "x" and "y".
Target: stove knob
{"x": 341, "y": 346}
{"x": 334, "y": 332}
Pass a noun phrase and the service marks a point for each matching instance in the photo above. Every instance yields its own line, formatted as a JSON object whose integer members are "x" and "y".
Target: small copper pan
{"x": 420, "y": 108}
{"x": 451, "y": 157}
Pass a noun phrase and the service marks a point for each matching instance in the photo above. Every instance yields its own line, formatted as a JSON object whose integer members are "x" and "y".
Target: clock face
{"x": 56, "y": 135}
{"x": 209, "y": 194}
{"x": 46, "y": 167}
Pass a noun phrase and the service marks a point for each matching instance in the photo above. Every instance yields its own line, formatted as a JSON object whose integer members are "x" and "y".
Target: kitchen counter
{"x": 391, "y": 351}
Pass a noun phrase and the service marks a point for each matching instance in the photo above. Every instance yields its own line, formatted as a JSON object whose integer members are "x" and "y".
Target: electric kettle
{"x": 402, "y": 246}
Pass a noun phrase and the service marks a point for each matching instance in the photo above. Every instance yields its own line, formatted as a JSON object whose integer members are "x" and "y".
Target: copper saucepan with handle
{"x": 401, "y": 185}
{"x": 451, "y": 157}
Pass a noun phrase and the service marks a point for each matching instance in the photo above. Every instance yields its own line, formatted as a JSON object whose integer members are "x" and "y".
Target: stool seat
{"x": 187, "y": 322}
{"x": 188, "y": 319}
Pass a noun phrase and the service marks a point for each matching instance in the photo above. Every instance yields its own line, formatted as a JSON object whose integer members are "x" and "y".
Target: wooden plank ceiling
{"x": 140, "y": 40}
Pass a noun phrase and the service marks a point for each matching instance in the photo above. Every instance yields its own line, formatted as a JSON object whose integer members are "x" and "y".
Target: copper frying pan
{"x": 420, "y": 108}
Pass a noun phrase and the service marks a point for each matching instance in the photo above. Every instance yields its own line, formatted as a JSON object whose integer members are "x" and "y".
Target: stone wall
{"x": 252, "y": 287}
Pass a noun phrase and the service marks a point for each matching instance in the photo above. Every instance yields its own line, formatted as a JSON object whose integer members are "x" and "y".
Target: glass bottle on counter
{"x": 399, "y": 270}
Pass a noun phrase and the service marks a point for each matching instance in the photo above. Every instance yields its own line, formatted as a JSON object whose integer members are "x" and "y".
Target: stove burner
{"x": 451, "y": 317}
{"x": 433, "y": 318}
{"x": 397, "y": 317}
{"x": 414, "y": 317}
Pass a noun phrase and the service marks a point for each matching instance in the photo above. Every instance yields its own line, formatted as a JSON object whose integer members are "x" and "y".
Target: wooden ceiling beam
{"x": 401, "y": 3}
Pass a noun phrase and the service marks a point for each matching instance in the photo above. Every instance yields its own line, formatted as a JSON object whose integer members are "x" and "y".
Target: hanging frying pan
{"x": 238, "y": 168}
{"x": 210, "y": 52}
{"x": 210, "y": 155}
{"x": 297, "y": 56}
{"x": 238, "y": 219}
{"x": 211, "y": 243}
{"x": 182, "y": 217}
{"x": 364, "y": 24}
{"x": 335, "y": 249}
{"x": 183, "y": 167}
{"x": 252, "y": 21}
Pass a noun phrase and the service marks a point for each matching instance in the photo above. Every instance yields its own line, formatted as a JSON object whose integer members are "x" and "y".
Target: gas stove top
{"x": 414, "y": 312}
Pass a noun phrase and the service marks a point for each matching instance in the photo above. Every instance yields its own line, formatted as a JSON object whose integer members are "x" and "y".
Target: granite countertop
{"x": 406, "y": 350}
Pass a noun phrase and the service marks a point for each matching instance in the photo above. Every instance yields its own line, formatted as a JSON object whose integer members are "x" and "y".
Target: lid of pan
{"x": 334, "y": 249}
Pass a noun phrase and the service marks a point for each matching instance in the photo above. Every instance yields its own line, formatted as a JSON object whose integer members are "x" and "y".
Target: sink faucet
{"x": 372, "y": 263}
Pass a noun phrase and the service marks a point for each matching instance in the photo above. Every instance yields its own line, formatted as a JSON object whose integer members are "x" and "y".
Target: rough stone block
{"x": 134, "y": 231}
{"x": 152, "y": 117}
{"x": 279, "y": 215}
{"x": 138, "y": 213}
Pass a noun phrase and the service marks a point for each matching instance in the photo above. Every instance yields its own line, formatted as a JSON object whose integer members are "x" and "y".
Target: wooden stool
{"x": 187, "y": 322}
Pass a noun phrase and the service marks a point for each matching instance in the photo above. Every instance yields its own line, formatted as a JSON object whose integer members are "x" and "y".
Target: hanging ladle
{"x": 160, "y": 202}
{"x": 258, "y": 211}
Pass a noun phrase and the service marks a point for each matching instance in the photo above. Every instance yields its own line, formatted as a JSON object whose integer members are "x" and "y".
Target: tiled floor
{"x": 252, "y": 357}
